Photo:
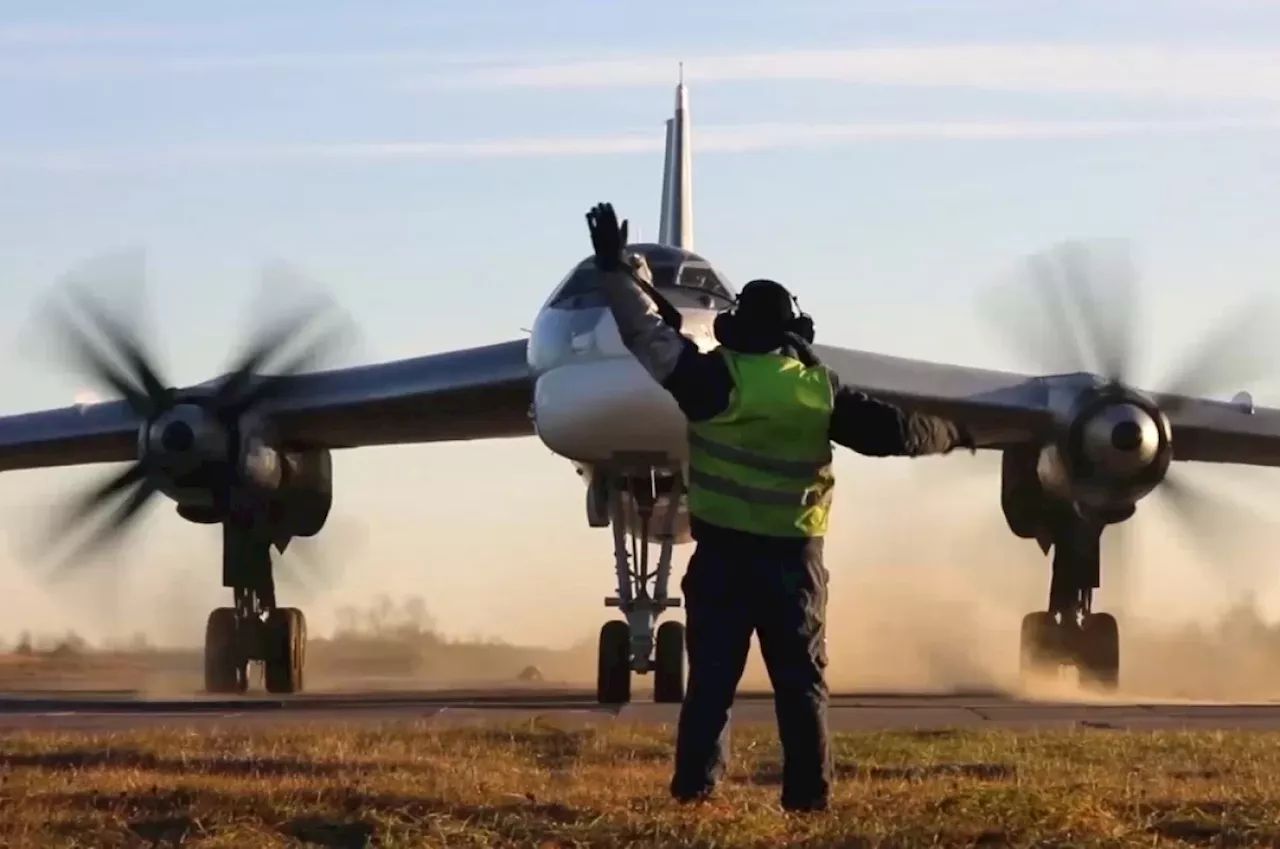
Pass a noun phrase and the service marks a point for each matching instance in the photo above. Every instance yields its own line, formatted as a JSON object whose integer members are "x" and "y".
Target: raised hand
{"x": 608, "y": 238}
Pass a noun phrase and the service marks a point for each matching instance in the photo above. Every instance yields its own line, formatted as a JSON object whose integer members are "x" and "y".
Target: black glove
{"x": 607, "y": 237}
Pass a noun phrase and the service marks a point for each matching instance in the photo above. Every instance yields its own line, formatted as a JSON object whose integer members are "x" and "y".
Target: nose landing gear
{"x": 631, "y": 645}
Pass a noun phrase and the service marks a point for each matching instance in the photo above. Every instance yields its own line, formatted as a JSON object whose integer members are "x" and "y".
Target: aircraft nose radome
{"x": 608, "y": 340}
{"x": 592, "y": 411}
{"x": 696, "y": 324}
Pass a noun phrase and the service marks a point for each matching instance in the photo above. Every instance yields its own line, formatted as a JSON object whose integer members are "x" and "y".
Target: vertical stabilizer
{"x": 676, "y": 224}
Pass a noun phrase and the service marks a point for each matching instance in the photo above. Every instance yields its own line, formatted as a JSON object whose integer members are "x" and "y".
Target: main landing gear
{"x": 632, "y": 645}
{"x": 254, "y": 629}
{"x": 1070, "y": 633}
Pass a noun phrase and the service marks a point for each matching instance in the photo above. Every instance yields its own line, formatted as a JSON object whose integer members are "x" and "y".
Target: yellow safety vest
{"x": 764, "y": 464}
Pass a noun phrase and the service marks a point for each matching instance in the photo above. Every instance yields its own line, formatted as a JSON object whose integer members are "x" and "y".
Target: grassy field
{"x": 542, "y": 785}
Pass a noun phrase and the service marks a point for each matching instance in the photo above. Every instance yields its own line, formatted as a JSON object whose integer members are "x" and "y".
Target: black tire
{"x": 286, "y": 650}
{"x": 613, "y": 672}
{"x": 1038, "y": 648}
{"x": 226, "y": 670}
{"x": 1098, "y": 661}
{"x": 668, "y": 667}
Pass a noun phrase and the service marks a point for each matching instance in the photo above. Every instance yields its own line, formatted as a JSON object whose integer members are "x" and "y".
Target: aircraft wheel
{"x": 1038, "y": 645}
{"x": 286, "y": 646}
{"x": 613, "y": 673}
{"x": 1098, "y": 659}
{"x": 668, "y": 672}
{"x": 225, "y": 668}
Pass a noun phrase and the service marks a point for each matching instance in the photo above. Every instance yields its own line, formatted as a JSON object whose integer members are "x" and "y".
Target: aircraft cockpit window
{"x": 690, "y": 283}
{"x": 581, "y": 291}
{"x": 702, "y": 280}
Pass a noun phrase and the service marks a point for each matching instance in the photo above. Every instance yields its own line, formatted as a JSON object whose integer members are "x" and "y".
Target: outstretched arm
{"x": 650, "y": 326}
{"x": 879, "y": 429}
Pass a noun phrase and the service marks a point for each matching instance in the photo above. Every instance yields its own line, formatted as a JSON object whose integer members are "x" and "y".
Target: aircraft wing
{"x": 477, "y": 393}
{"x": 999, "y": 408}
{"x": 1220, "y": 432}
{"x": 1005, "y": 408}
{"x": 486, "y": 393}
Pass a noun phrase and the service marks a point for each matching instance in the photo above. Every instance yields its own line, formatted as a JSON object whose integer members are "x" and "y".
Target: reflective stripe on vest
{"x": 764, "y": 464}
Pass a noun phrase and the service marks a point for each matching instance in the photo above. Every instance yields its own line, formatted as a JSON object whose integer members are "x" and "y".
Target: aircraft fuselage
{"x": 593, "y": 403}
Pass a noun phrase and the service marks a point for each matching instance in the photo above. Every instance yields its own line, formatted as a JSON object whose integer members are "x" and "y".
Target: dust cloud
{"x": 928, "y": 589}
{"x": 930, "y": 598}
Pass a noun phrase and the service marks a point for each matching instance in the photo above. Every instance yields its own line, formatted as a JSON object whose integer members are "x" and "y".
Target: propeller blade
{"x": 315, "y": 565}
{"x": 1240, "y": 350}
{"x": 1212, "y": 525}
{"x": 317, "y": 352}
{"x": 304, "y": 313}
{"x": 89, "y": 338}
{"x": 305, "y": 571}
{"x": 79, "y": 508}
{"x": 1119, "y": 575}
{"x": 1027, "y": 312}
{"x": 129, "y": 346}
{"x": 1103, "y": 288}
{"x": 85, "y": 356}
{"x": 109, "y": 532}
{"x": 1068, "y": 308}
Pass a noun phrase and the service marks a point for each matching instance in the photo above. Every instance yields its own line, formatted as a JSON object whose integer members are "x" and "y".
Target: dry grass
{"x": 541, "y": 784}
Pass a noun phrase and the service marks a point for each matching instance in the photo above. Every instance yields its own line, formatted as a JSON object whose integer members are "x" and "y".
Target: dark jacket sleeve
{"x": 879, "y": 429}
{"x": 700, "y": 383}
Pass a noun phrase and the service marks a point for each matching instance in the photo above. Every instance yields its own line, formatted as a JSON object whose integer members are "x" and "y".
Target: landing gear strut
{"x": 632, "y": 645}
{"x": 254, "y": 629}
{"x": 1070, "y": 633}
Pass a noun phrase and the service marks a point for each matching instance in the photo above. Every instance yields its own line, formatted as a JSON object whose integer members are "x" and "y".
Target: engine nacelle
{"x": 297, "y": 505}
{"x": 305, "y": 495}
{"x": 1112, "y": 448}
{"x": 1022, "y": 499}
{"x": 192, "y": 455}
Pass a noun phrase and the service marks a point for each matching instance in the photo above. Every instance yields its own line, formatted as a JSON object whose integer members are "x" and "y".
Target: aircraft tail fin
{"x": 675, "y": 226}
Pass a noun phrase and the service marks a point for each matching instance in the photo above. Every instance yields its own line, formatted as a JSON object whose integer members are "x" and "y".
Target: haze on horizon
{"x": 888, "y": 162}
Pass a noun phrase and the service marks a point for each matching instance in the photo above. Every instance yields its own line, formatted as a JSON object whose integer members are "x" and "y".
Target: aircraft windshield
{"x": 700, "y": 279}
{"x": 695, "y": 280}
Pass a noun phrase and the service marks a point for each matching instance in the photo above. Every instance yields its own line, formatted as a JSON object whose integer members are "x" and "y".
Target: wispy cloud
{"x": 724, "y": 139}
{"x": 117, "y": 64}
{"x": 46, "y": 34}
{"x": 1162, "y": 71}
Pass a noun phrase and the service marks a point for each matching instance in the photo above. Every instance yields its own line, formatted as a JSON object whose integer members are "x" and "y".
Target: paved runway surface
{"x": 117, "y": 711}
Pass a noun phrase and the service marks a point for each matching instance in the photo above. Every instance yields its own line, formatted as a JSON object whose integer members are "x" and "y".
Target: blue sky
{"x": 431, "y": 168}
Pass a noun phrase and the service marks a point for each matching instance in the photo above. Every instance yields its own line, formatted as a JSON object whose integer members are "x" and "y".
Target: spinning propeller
{"x": 190, "y": 440}
{"x": 1075, "y": 308}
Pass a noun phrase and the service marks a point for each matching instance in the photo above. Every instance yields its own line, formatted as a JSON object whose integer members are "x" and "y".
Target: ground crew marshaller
{"x": 762, "y": 416}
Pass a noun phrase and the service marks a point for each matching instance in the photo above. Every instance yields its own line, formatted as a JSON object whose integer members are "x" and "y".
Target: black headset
{"x": 800, "y": 324}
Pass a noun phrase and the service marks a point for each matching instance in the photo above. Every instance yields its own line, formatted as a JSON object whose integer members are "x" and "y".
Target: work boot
{"x": 805, "y": 806}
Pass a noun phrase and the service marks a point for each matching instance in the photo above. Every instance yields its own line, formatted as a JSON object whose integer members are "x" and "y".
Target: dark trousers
{"x": 736, "y": 584}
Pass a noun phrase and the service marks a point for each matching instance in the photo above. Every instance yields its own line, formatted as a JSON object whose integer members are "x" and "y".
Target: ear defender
{"x": 802, "y": 326}
{"x": 722, "y": 327}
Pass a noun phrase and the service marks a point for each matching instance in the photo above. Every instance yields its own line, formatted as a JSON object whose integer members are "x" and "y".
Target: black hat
{"x": 764, "y": 302}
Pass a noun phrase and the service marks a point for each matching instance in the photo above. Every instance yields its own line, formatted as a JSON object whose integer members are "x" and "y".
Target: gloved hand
{"x": 607, "y": 237}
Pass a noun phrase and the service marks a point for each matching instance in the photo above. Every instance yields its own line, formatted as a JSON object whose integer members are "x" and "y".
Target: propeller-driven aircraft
{"x": 251, "y": 450}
